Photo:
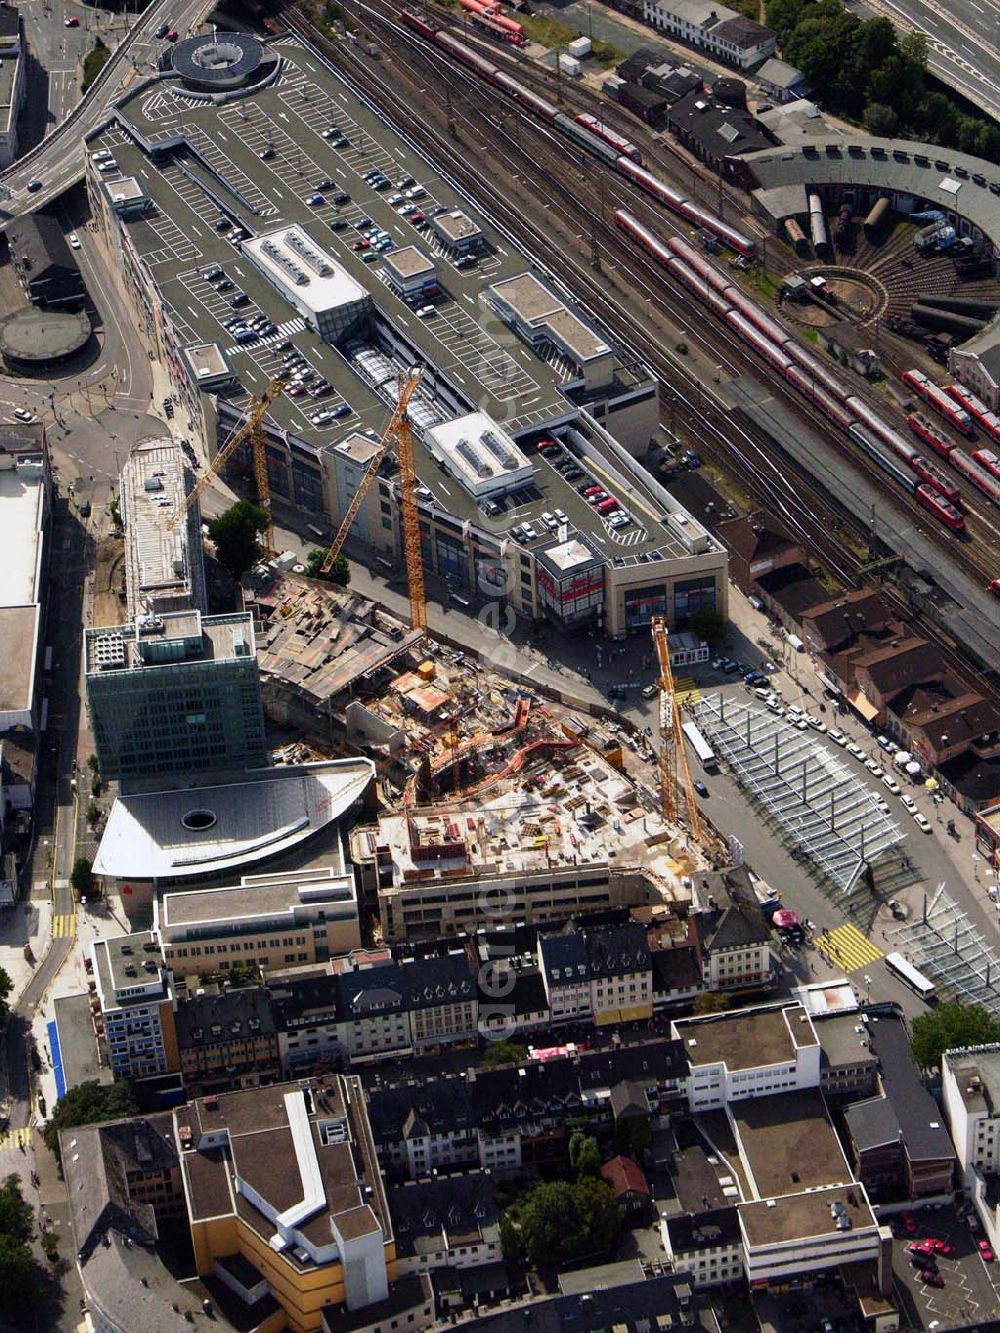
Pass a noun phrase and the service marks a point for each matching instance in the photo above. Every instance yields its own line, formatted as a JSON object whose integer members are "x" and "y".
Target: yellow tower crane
{"x": 253, "y": 427}
{"x": 398, "y": 433}
{"x": 673, "y": 755}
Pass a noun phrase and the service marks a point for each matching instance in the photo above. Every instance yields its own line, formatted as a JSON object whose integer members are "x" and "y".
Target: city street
{"x": 963, "y": 40}
{"x": 58, "y": 162}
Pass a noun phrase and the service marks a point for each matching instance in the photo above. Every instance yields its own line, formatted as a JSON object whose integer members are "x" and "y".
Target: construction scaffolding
{"x": 805, "y": 791}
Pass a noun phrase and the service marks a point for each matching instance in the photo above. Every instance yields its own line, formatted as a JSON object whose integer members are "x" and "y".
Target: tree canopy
{"x": 560, "y": 1222}
{"x": 88, "y": 1104}
{"x": 18, "y": 1275}
{"x": 16, "y": 1217}
{"x": 584, "y": 1154}
{"x": 81, "y": 877}
{"x": 338, "y": 573}
{"x": 6, "y": 986}
{"x": 951, "y": 1025}
{"x": 236, "y": 534}
{"x": 502, "y": 1053}
{"x": 864, "y": 70}
{"x": 709, "y": 625}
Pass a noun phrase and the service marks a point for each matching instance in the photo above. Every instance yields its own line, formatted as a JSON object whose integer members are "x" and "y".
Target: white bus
{"x": 909, "y": 976}
{"x": 701, "y": 747}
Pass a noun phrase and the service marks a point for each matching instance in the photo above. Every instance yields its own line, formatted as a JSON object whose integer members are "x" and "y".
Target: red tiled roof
{"x": 624, "y": 1176}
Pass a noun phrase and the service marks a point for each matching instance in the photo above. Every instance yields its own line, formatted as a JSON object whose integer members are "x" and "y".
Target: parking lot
{"x": 256, "y": 164}
{"x": 971, "y": 1290}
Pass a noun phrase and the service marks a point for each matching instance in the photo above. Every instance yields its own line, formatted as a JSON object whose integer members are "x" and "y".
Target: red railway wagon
{"x": 931, "y": 433}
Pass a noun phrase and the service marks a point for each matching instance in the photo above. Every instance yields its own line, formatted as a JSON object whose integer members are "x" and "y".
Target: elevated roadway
{"x": 58, "y": 160}
{"x": 963, "y": 39}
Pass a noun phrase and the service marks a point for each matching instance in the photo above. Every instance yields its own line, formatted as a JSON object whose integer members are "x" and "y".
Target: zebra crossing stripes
{"x": 63, "y": 925}
{"x": 686, "y": 691}
{"x": 289, "y": 326}
{"x": 16, "y": 1138}
{"x": 849, "y": 948}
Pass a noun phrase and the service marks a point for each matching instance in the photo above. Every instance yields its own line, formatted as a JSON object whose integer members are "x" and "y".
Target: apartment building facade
{"x": 135, "y": 994}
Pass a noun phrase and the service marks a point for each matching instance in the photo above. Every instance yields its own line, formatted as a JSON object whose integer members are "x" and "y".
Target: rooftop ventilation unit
{"x": 108, "y": 652}
{"x": 285, "y": 262}
{"x": 479, "y": 466}
{"x": 309, "y": 256}
{"x": 498, "y": 449}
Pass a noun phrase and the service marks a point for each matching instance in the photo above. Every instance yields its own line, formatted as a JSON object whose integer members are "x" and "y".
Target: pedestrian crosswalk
{"x": 16, "y": 1138}
{"x": 686, "y": 691}
{"x": 847, "y": 947}
{"x": 63, "y": 925}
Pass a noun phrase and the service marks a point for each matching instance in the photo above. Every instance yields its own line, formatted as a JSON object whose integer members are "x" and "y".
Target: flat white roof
{"x": 256, "y": 815}
{"x": 303, "y": 269}
{"x": 479, "y": 454}
{"x": 22, "y": 508}
{"x": 567, "y": 555}
{"x": 158, "y": 561}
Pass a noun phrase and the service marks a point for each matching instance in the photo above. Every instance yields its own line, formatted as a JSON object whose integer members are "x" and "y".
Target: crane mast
{"x": 252, "y": 428}
{"x": 398, "y": 433}
{"x": 675, "y": 773}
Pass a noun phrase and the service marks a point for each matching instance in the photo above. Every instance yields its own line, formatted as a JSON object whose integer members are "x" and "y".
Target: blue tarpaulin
{"x": 57, "y": 1067}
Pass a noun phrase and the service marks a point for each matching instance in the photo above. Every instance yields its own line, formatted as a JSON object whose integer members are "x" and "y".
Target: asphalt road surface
{"x": 58, "y": 161}
{"x": 964, "y": 41}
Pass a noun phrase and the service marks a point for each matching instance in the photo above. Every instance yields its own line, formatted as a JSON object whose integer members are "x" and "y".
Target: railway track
{"x": 741, "y": 450}
{"x": 744, "y": 452}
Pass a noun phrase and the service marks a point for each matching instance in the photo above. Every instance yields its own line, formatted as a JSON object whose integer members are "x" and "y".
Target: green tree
{"x": 881, "y": 120}
{"x": 18, "y": 1275}
{"x": 550, "y": 1230}
{"x": 599, "y": 1217}
{"x": 6, "y": 986}
{"x": 914, "y": 50}
{"x": 510, "y": 1242}
{"x": 236, "y": 534}
{"x": 948, "y": 1026}
{"x": 94, "y": 764}
{"x": 709, "y": 625}
{"x": 633, "y": 1135}
{"x": 16, "y": 1216}
{"x": 94, "y": 61}
{"x": 584, "y": 1154}
{"x": 502, "y": 1053}
{"x": 81, "y": 877}
{"x": 88, "y": 1104}
{"x": 710, "y": 1002}
{"x": 338, "y": 573}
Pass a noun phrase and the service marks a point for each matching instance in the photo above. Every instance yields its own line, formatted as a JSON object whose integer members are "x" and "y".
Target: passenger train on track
{"x": 815, "y": 380}
{"x": 590, "y": 134}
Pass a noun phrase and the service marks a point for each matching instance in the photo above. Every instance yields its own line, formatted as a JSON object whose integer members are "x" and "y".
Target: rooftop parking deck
{"x": 207, "y": 156}
{"x": 256, "y": 163}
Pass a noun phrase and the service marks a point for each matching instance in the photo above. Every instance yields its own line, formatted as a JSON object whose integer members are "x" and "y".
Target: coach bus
{"x": 909, "y": 976}
{"x": 701, "y": 747}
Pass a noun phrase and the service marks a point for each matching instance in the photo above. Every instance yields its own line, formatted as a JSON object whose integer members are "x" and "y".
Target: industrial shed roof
{"x": 966, "y": 185}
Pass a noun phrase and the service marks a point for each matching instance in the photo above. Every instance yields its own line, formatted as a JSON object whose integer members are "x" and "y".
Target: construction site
{"x": 496, "y": 799}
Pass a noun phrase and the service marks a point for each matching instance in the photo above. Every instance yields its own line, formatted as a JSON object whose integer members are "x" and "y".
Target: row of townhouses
{"x": 378, "y": 1004}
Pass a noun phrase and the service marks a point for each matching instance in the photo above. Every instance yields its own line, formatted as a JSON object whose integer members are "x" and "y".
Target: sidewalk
{"x": 71, "y": 979}
{"x": 28, "y": 924}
